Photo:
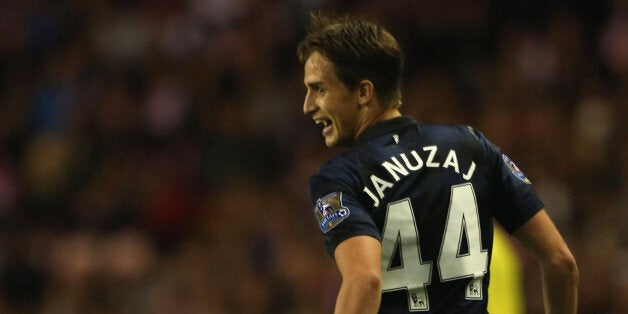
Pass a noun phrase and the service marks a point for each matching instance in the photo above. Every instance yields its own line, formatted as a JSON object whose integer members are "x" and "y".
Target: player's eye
{"x": 315, "y": 89}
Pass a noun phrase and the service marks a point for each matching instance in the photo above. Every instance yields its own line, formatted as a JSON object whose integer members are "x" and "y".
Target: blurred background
{"x": 154, "y": 154}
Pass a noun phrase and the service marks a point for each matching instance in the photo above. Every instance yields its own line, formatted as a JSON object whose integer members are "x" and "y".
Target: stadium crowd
{"x": 154, "y": 155}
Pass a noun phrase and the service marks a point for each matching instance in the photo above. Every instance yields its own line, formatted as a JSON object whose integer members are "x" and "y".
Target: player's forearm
{"x": 358, "y": 297}
{"x": 560, "y": 286}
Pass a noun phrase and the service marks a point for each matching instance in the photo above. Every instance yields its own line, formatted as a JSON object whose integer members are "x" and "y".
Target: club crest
{"x": 514, "y": 169}
{"x": 329, "y": 211}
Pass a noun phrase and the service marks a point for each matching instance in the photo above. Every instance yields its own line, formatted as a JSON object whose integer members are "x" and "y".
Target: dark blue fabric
{"x": 449, "y": 155}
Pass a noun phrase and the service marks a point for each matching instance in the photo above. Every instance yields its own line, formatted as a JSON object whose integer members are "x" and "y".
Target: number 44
{"x": 400, "y": 234}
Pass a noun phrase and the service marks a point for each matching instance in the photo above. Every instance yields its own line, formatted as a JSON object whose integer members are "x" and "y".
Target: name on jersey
{"x": 404, "y": 164}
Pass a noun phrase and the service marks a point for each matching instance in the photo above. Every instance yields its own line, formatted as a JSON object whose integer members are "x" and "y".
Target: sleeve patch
{"x": 514, "y": 169}
{"x": 329, "y": 211}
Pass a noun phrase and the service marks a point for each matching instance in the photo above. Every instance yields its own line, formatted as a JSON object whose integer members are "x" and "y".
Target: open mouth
{"x": 326, "y": 124}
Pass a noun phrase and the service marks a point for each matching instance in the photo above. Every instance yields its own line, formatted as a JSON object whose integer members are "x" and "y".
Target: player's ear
{"x": 366, "y": 92}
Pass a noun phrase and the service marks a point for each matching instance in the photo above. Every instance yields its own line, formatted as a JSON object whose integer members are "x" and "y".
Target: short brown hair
{"x": 359, "y": 50}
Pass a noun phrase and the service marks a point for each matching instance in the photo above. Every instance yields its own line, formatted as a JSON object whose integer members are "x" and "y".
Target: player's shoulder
{"x": 464, "y": 138}
{"x": 451, "y": 132}
{"x": 338, "y": 167}
{"x": 336, "y": 174}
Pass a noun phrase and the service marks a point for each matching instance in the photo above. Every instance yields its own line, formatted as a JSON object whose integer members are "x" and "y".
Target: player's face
{"x": 330, "y": 103}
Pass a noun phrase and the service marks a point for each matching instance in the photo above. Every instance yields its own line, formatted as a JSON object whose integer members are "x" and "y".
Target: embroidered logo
{"x": 329, "y": 211}
{"x": 514, "y": 169}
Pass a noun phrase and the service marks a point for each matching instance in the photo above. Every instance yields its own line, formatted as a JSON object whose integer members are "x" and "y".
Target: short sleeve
{"x": 515, "y": 199}
{"x": 338, "y": 212}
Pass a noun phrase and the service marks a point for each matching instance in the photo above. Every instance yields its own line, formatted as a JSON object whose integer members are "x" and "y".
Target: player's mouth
{"x": 326, "y": 124}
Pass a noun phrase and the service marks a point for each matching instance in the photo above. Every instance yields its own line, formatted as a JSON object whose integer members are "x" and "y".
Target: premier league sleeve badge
{"x": 329, "y": 211}
{"x": 514, "y": 169}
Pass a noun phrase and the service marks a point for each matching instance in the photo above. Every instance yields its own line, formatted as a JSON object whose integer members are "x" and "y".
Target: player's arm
{"x": 358, "y": 259}
{"x": 558, "y": 266}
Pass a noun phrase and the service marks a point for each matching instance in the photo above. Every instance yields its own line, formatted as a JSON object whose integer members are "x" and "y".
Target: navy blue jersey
{"x": 429, "y": 193}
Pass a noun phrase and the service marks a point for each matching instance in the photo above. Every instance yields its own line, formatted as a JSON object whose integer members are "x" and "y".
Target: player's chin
{"x": 330, "y": 143}
{"x": 331, "y": 140}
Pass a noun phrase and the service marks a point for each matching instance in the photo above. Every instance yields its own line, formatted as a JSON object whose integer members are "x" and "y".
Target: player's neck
{"x": 375, "y": 117}
{"x": 388, "y": 114}
{"x": 383, "y": 115}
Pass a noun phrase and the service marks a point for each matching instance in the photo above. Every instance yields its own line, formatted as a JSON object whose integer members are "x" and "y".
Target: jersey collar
{"x": 385, "y": 126}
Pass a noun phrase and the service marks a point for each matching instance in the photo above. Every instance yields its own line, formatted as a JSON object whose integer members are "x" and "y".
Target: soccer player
{"x": 406, "y": 209}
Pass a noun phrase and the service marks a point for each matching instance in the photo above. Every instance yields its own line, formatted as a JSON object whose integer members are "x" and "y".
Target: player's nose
{"x": 309, "y": 106}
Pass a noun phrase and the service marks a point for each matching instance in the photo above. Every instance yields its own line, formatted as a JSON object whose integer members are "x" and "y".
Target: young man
{"x": 407, "y": 209}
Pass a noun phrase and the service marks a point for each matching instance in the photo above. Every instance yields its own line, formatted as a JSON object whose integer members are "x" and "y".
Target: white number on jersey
{"x": 413, "y": 275}
{"x": 401, "y": 238}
